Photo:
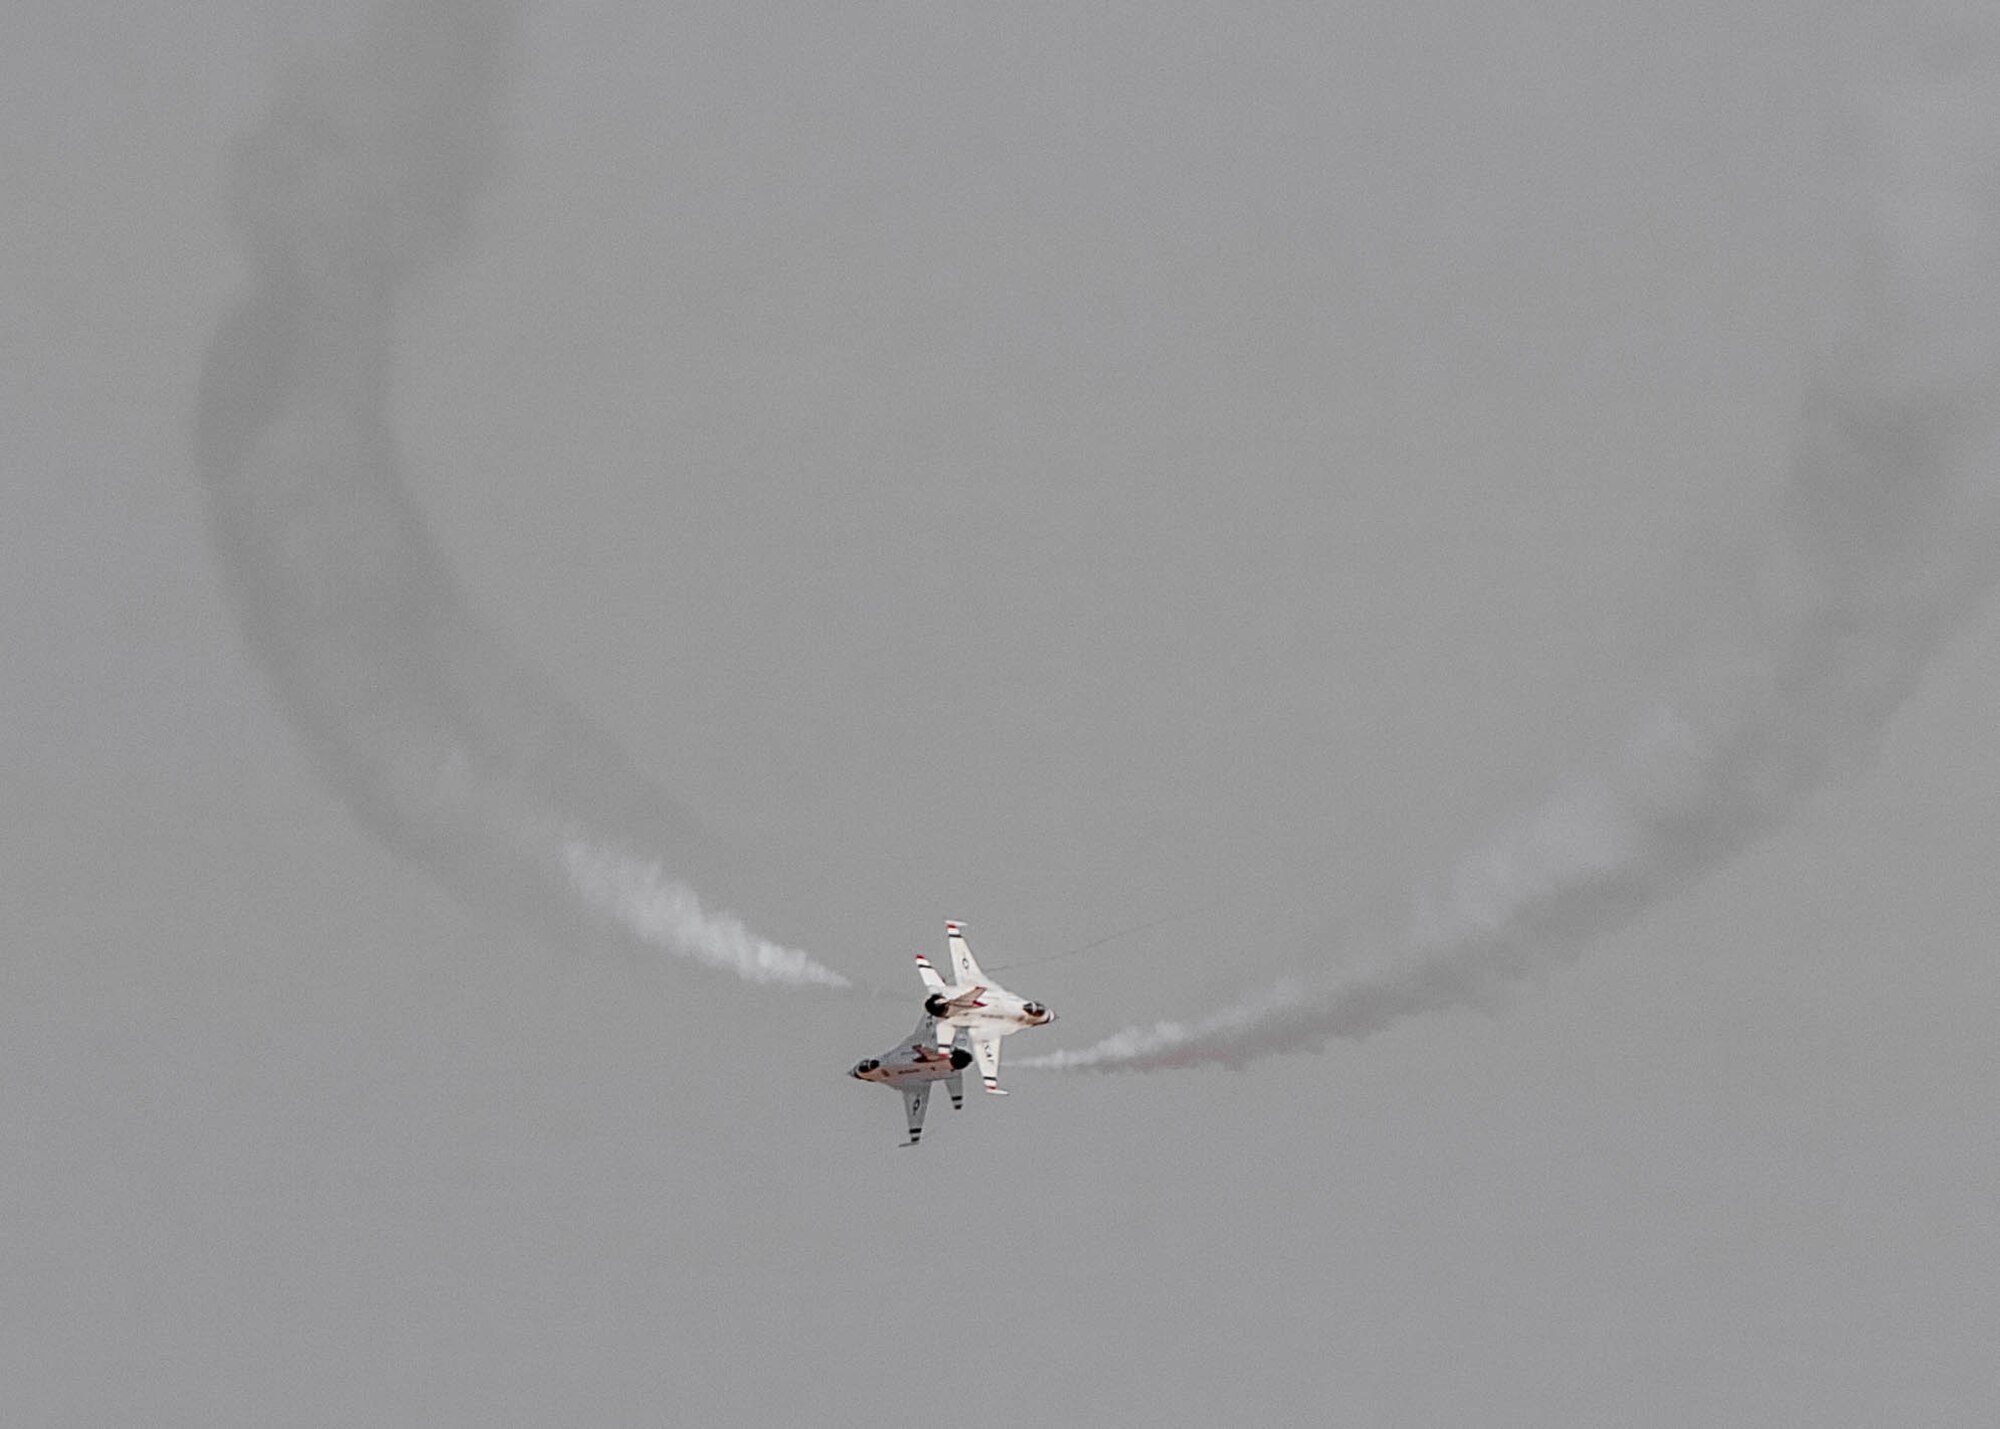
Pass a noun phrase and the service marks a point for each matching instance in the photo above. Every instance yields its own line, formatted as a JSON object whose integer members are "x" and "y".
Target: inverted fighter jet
{"x": 973, "y": 1001}
{"x": 913, "y": 1066}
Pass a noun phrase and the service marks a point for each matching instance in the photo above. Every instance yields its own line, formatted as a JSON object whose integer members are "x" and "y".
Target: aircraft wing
{"x": 915, "y": 1099}
{"x": 919, "y": 1040}
{"x": 986, "y": 1051}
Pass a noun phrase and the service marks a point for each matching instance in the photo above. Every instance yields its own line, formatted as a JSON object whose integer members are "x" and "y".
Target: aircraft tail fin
{"x": 962, "y": 965}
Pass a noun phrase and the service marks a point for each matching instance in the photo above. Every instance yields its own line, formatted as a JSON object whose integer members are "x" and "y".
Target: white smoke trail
{"x": 445, "y": 744}
{"x": 1882, "y": 542}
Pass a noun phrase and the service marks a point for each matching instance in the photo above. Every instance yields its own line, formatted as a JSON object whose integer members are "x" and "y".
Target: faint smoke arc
{"x": 445, "y": 743}
{"x": 1882, "y": 542}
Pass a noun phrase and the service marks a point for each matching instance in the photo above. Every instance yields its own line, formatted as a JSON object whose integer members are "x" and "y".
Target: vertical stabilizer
{"x": 964, "y": 970}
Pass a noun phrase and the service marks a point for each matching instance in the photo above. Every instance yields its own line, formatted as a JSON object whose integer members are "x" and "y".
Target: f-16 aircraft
{"x": 912, "y": 1067}
{"x": 986, "y": 1010}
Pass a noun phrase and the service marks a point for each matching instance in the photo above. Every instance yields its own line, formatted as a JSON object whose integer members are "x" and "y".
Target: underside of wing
{"x": 915, "y": 1100}
{"x": 986, "y": 1051}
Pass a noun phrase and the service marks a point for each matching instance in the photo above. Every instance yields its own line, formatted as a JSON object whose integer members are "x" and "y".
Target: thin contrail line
{"x": 1163, "y": 921}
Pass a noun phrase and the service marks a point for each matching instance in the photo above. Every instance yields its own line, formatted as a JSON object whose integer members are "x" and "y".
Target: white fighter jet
{"x": 912, "y": 1067}
{"x": 986, "y": 1010}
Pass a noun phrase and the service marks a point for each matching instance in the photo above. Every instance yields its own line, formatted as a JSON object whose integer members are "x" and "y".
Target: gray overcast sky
{"x": 1048, "y": 466}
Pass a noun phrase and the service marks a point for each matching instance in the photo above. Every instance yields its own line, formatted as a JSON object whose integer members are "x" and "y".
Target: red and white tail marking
{"x": 964, "y": 968}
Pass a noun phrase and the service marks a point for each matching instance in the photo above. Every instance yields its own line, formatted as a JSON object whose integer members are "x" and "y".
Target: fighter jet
{"x": 913, "y": 1066}
{"x": 973, "y": 1001}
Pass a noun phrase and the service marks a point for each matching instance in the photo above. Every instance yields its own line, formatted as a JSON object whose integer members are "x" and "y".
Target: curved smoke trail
{"x": 445, "y": 744}
{"x": 1882, "y": 542}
